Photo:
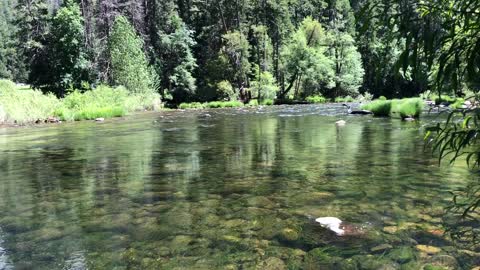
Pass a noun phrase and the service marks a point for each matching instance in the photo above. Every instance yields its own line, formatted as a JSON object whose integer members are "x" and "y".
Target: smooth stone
{"x": 289, "y": 234}
{"x": 261, "y": 201}
{"x": 433, "y": 267}
{"x": 180, "y": 243}
{"x": 428, "y": 249}
{"x": 340, "y": 123}
{"x": 381, "y": 248}
{"x": 390, "y": 229}
{"x": 272, "y": 263}
{"x": 234, "y": 223}
{"x": 446, "y": 261}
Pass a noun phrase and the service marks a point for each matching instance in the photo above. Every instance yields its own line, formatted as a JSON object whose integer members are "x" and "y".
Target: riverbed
{"x": 226, "y": 189}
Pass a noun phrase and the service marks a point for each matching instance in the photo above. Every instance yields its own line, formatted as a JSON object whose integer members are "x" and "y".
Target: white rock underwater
{"x": 331, "y": 223}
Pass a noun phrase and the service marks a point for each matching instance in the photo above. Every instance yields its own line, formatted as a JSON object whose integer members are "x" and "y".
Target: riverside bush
{"x": 344, "y": 99}
{"x": 105, "y": 102}
{"x": 24, "y": 106}
{"x": 379, "y": 107}
{"x": 316, "y": 99}
{"x": 408, "y": 107}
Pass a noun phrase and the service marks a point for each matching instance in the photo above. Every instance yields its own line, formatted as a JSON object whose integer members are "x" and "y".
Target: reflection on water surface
{"x": 224, "y": 189}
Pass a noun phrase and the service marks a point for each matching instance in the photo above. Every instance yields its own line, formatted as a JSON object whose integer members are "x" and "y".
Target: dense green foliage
{"x": 403, "y": 108}
{"x": 129, "y": 64}
{"x": 24, "y": 105}
{"x": 231, "y": 50}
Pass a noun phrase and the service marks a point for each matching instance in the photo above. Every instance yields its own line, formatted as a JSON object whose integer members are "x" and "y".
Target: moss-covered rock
{"x": 289, "y": 234}
{"x": 428, "y": 249}
{"x": 402, "y": 254}
{"x": 272, "y": 263}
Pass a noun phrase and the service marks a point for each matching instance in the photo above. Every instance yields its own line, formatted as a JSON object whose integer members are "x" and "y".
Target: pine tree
{"x": 128, "y": 61}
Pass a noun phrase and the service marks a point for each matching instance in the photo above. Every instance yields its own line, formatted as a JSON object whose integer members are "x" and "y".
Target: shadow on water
{"x": 235, "y": 188}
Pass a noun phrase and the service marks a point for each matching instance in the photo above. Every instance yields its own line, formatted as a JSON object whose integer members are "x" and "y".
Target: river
{"x": 226, "y": 189}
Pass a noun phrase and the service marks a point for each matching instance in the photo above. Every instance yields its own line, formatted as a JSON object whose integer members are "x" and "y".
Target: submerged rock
{"x": 381, "y": 248}
{"x": 289, "y": 234}
{"x": 401, "y": 255}
{"x": 390, "y": 229}
{"x": 428, "y": 249}
{"x": 446, "y": 261}
{"x": 272, "y": 263}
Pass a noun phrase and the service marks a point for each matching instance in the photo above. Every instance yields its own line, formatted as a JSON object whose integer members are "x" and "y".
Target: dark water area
{"x": 226, "y": 189}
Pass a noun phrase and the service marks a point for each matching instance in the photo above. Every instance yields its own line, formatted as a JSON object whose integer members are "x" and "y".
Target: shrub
{"x": 223, "y": 104}
{"x": 225, "y": 91}
{"x": 253, "y": 103}
{"x": 382, "y": 98}
{"x": 233, "y": 104}
{"x": 264, "y": 87}
{"x": 379, "y": 107}
{"x": 24, "y": 106}
{"x": 458, "y": 104}
{"x": 410, "y": 107}
{"x": 366, "y": 97}
{"x": 344, "y": 99}
{"x": 105, "y": 102}
{"x": 316, "y": 99}
{"x": 193, "y": 105}
{"x": 267, "y": 102}
{"x": 443, "y": 98}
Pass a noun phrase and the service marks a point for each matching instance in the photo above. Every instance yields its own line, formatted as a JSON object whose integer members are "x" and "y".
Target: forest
{"x": 201, "y": 50}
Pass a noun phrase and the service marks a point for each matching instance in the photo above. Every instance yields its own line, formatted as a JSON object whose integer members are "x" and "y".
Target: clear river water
{"x": 226, "y": 189}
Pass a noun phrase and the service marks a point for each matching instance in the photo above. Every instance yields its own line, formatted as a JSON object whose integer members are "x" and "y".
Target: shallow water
{"x": 225, "y": 189}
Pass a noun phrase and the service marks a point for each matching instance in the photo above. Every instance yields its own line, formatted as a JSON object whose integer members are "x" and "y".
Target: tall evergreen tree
{"x": 128, "y": 61}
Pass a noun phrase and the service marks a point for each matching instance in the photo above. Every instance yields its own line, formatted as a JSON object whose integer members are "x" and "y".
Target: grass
{"x": 379, "y": 107}
{"x": 104, "y": 102}
{"x": 24, "y": 106}
{"x": 346, "y": 99}
{"x": 267, "y": 102}
{"x": 408, "y": 107}
{"x": 403, "y": 108}
{"x": 193, "y": 105}
{"x": 210, "y": 105}
{"x": 316, "y": 99}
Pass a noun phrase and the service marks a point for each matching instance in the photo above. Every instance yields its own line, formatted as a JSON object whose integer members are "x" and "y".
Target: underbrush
{"x": 316, "y": 99}
{"x": 24, "y": 106}
{"x": 379, "y": 107}
{"x": 403, "y": 108}
{"x": 212, "y": 104}
{"x": 408, "y": 107}
{"x": 346, "y": 99}
{"x": 104, "y": 102}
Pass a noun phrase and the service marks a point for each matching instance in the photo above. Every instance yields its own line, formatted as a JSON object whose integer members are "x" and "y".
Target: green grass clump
{"x": 409, "y": 107}
{"x": 193, "y": 105}
{"x": 458, "y": 104}
{"x": 443, "y": 98}
{"x": 24, "y": 106}
{"x": 316, "y": 99}
{"x": 379, "y": 107}
{"x": 104, "y": 102}
{"x": 223, "y": 104}
{"x": 267, "y": 102}
{"x": 382, "y": 98}
{"x": 344, "y": 99}
{"x": 233, "y": 104}
{"x": 253, "y": 103}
